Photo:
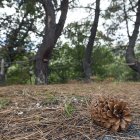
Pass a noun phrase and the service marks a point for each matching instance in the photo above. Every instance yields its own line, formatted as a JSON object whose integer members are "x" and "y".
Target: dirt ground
{"x": 60, "y": 111}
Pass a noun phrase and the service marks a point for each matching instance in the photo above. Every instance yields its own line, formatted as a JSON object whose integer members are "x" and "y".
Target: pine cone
{"x": 110, "y": 113}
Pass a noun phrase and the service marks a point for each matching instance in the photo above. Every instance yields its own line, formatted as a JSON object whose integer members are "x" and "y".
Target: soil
{"x": 60, "y": 111}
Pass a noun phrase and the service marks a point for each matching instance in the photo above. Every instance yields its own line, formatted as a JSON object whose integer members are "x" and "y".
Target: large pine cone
{"x": 110, "y": 113}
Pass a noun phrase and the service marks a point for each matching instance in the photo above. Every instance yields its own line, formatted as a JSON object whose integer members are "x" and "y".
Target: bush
{"x": 18, "y": 74}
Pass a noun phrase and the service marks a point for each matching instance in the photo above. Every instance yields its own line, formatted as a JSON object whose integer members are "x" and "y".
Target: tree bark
{"x": 130, "y": 54}
{"x": 89, "y": 48}
{"x": 52, "y": 33}
{"x": 2, "y": 72}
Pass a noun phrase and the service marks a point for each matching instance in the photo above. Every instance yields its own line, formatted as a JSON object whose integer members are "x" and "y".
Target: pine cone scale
{"x": 123, "y": 124}
{"x": 109, "y": 114}
{"x": 128, "y": 118}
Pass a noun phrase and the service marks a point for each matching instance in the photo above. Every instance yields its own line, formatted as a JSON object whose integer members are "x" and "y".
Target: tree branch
{"x": 126, "y": 17}
{"x": 133, "y": 7}
{"x": 62, "y": 19}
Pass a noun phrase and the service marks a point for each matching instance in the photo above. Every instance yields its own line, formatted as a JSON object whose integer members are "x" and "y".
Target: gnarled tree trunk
{"x": 130, "y": 54}
{"x": 89, "y": 48}
{"x": 52, "y": 33}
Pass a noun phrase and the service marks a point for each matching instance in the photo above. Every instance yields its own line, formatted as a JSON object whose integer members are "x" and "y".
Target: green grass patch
{"x": 4, "y": 102}
{"x": 50, "y": 99}
{"x": 69, "y": 109}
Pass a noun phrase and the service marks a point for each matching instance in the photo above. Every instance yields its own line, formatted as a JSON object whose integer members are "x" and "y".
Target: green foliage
{"x": 66, "y": 63}
{"x": 3, "y": 102}
{"x": 121, "y": 72}
{"x": 29, "y": 6}
{"x": 77, "y": 32}
{"x": 50, "y": 100}
{"x": 17, "y": 75}
{"x": 69, "y": 109}
{"x": 102, "y": 56}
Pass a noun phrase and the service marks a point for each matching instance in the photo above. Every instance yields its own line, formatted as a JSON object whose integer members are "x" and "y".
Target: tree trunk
{"x": 2, "y": 73}
{"x": 89, "y": 48}
{"x": 52, "y": 33}
{"x": 130, "y": 55}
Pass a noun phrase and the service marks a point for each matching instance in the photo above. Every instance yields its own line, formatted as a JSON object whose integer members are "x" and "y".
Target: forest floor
{"x": 60, "y": 111}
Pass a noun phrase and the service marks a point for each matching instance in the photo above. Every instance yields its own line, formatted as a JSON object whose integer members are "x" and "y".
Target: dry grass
{"x": 59, "y": 112}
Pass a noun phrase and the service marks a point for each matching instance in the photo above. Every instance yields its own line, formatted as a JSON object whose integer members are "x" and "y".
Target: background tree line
{"x": 78, "y": 50}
